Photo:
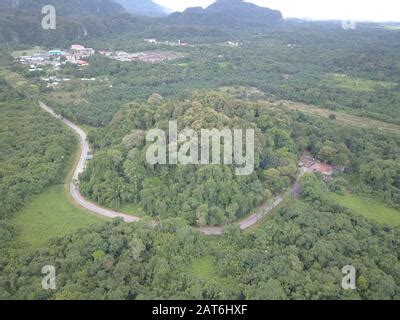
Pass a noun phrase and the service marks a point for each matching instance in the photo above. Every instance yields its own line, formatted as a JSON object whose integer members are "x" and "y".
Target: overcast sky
{"x": 372, "y": 10}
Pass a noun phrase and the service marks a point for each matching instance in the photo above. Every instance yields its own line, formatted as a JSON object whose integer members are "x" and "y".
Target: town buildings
{"x": 77, "y": 54}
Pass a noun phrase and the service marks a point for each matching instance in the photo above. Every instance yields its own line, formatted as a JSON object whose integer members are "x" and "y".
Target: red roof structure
{"x": 323, "y": 168}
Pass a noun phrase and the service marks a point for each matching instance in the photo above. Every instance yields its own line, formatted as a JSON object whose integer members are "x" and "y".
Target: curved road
{"x": 73, "y": 188}
{"x": 246, "y": 223}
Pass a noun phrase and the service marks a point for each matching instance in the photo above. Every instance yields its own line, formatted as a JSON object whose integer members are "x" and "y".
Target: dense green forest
{"x": 318, "y": 64}
{"x": 21, "y": 23}
{"x": 297, "y": 255}
{"x": 234, "y": 74}
{"x": 213, "y": 194}
{"x": 201, "y": 194}
{"x": 370, "y": 159}
{"x": 34, "y": 147}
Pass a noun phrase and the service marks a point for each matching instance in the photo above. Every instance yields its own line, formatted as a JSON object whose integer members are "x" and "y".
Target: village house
{"x": 152, "y": 41}
{"x": 308, "y": 164}
{"x": 183, "y": 44}
{"x": 56, "y": 53}
{"x": 81, "y": 51}
{"x": 233, "y": 44}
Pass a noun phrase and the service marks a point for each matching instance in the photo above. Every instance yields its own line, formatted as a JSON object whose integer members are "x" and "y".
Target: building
{"x": 77, "y": 47}
{"x": 183, "y": 44}
{"x": 323, "y": 168}
{"x": 56, "y": 53}
{"x": 81, "y": 51}
{"x": 308, "y": 164}
{"x": 81, "y": 63}
{"x": 106, "y": 53}
{"x": 152, "y": 41}
{"x": 233, "y": 44}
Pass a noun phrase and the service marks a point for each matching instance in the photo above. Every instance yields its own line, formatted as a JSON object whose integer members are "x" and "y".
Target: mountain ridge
{"x": 143, "y": 8}
{"x": 227, "y": 12}
{"x": 65, "y": 8}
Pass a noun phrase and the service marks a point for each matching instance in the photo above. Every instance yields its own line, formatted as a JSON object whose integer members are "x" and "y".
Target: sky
{"x": 362, "y": 10}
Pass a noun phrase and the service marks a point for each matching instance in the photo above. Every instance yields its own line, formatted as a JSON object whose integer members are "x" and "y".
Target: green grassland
{"x": 19, "y": 84}
{"x": 392, "y": 27}
{"x": 27, "y": 52}
{"x": 341, "y": 117}
{"x": 369, "y": 208}
{"x": 49, "y": 215}
{"x": 358, "y": 84}
{"x": 75, "y": 97}
{"x": 204, "y": 268}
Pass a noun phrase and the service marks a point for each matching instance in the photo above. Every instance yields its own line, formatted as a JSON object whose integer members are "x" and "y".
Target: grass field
{"x": 52, "y": 214}
{"x": 369, "y": 208}
{"x": 358, "y": 84}
{"x": 204, "y": 268}
{"x": 49, "y": 215}
{"x": 67, "y": 98}
{"x": 28, "y": 52}
{"x": 18, "y": 83}
{"x": 341, "y": 117}
{"x": 392, "y": 27}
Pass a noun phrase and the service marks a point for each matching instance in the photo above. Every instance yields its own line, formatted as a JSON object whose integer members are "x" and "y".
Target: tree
{"x": 270, "y": 290}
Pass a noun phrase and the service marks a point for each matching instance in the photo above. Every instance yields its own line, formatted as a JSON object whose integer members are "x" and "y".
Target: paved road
{"x": 246, "y": 223}
{"x": 74, "y": 189}
{"x": 251, "y": 220}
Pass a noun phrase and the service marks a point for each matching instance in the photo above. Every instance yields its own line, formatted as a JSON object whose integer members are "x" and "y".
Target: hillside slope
{"x": 228, "y": 13}
{"x": 143, "y": 8}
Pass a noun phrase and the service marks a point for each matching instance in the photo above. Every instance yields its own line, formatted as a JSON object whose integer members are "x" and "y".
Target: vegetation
{"x": 369, "y": 208}
{"x": 297, "y": 255}
{"x": 331, "y": 72}
{"x": 234, "y": 74}
{"x": 120, "y": 174}
{"x": 203, "y": 195}
{"x": 35, "y": 150}
{"x": 49, "y": 215}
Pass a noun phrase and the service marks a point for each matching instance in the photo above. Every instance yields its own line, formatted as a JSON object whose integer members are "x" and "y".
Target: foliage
{"x": 205, "y": 195}
{"x": 46, "y": 216}
{"x": 298, "y": 254}
{"x": 35, "y": 149}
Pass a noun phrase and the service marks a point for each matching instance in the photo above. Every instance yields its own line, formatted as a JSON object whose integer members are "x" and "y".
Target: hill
{"x": 20, "y": 21}
{"x": 143, "y": 8}
{"x": 65, "y": 8}
{"x": 228, "y": 13}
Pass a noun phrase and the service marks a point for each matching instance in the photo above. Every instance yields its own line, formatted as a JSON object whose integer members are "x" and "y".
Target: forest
{"x": 201, "y": 194}
{"x": 297, "y": 255}
{"x": 297, "y": 252}
{"x": 28, "y": 163}
{"x": 213, "y": 195}
{"x": 352, "y": 72}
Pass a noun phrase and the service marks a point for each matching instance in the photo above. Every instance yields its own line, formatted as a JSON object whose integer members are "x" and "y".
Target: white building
{"x": 152, "y": 41}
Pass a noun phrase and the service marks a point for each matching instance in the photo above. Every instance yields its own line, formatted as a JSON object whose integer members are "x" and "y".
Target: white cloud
{"x": 373, "y": 10}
